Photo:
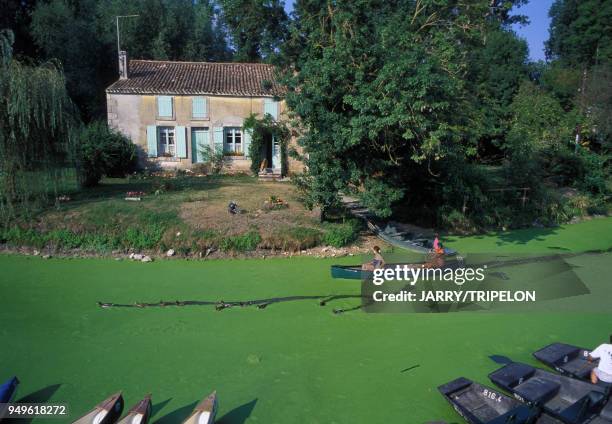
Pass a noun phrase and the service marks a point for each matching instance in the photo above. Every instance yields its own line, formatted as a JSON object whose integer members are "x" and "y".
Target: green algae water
{"x": 293, "y": 361}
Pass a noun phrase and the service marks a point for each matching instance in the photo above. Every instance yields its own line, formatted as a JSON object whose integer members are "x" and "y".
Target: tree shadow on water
{"x": 524, "y": 236}
{"x": 238, "y": 415}
{"x": 178, "y": 415}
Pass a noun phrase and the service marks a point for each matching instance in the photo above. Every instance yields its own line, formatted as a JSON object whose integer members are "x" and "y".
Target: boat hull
{"x": 205, "y": 411}
{"x": 479, "y": 404}
{"x": 106, "y": 412}
{"x": 565, "y": 398}
{"x": 141, "y": 412}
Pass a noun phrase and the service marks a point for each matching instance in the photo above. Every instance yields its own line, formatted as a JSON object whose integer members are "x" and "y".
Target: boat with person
{"x": 139, "y": 413}
{"x": 406, "y": 239}
{"x": 570, "y": 400}
{"x": 205, "y": 411}
{"x": 106, "y": 412}
{"x": 479, "y": 404}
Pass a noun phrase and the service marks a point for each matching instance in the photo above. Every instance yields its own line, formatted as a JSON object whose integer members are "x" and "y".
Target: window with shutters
{"x": 233, "y": 142}
{"x": 167, "y": 146}
{"x": 165, "y": 107}
{"x": 199, "y": 108}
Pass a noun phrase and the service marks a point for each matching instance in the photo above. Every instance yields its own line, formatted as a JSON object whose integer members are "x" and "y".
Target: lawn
{"x": 292, "y": 362}
{"x": 185, "y": 213}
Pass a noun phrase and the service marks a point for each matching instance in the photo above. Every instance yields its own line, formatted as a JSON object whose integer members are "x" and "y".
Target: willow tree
{"x": 36, "y": 117}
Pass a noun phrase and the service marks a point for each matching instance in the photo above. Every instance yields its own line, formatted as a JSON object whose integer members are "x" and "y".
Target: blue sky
{"x": 535, "y": 33}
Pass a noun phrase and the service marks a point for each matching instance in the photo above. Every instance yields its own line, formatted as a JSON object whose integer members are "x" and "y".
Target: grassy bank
{"x": 187, "y": 214}
{"x": 292, "y": 362}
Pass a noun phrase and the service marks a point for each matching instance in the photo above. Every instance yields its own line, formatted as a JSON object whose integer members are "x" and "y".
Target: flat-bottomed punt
{"x": 479, "y": 404}
{"x": 565, "y": 398}
{"x": 106, "y": 412}
{"x": 205, "y": 411}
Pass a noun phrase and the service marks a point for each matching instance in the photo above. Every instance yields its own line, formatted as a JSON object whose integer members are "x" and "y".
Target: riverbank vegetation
{"x": 187, "y": 214}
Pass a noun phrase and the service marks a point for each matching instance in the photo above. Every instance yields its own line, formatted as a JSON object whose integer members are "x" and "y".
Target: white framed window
{"x": 233, "y": 141}
{"x": 166, "y": 140}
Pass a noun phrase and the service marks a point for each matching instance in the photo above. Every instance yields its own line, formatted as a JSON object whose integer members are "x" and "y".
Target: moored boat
{"x": 8, "y": 389}
{"x": 139, "y": 413}
{"x": 565, "y": 398}
{"x": 479, "y": 404}
{"x": 567, "y": 359}
{"x": 406, "y": 240}
{"x": 205, "y": 411}
{"x": 106, "y": 412}
{"x": 7, "y": 393}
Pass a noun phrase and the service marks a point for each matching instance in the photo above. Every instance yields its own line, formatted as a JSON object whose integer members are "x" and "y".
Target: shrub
{"x": 292, "y": 238}
{"x": 102, "y": 151}
{"x": 215, "y": 159}
{"x": 338, "y": 235}
{"x": 240, "y": 243}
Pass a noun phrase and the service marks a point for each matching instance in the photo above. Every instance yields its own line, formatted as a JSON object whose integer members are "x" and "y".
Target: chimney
{"x": 123, "y": 65}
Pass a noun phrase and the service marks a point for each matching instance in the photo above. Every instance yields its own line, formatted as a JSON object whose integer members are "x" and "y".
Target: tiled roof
{"x": 164, "y": 77}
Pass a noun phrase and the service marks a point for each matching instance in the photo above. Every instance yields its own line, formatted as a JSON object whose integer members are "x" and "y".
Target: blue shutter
{"x": 181, "y": 142}
{"x": 199, "y": 108}
{"x": 164, "y": 106}
{"x": 218, "y": 140}
{"x": 247, "y": 142}
{"x": 152, "y": 141}
{"x": 271, "y": 108}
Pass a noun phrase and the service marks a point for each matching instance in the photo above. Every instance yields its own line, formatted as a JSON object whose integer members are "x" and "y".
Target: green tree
{"x": 257, "y": 28}
{"x": 580, "y": 32}
{"x": 36, "y": 117}
{"x": 379, "y": 87}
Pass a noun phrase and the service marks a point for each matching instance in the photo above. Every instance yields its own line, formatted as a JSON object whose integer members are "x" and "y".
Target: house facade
{"x": 175, "y": 111}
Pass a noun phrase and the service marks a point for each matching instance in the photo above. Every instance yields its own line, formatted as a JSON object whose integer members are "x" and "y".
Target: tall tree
{"x": 379, "y": 87}
{"x": 36, "y": 115}
{"x": 257, "y": 28}
{"x": 580, "y": 32}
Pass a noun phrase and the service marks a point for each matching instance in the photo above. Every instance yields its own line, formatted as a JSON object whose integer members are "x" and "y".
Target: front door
{"x": 276, "y": 154}
{"x": 199, "y": 140}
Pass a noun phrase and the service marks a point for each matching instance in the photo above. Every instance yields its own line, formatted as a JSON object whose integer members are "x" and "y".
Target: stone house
{"x": 173, "y": 110}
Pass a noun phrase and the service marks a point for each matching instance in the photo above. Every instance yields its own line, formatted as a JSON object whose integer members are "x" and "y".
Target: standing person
{"x": 437, "y": 246}
{"x": 603, "y": 371}
{"x": 377, "y": 262}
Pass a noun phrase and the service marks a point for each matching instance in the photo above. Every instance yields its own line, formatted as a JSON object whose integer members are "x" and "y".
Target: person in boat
{"x": 603, "y": 371}
{"x": 377, "y": 262}
{"x": 437, "y": 246}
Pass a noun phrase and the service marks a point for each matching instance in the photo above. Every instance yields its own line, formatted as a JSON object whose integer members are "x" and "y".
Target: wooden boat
{"x": 7, "y": 393}
{"x": 205, "y": 411}
{"x": 406, "y": 240}
{"x": 567, "y": 359}
{"x": 479, "y": 404}
{"x": 354, "y": 272}
{"x": 570, "y": 400}
{"x": 139, "y": 413}
{"x": 106, "y": 412}
{"x": 8, "y": 389}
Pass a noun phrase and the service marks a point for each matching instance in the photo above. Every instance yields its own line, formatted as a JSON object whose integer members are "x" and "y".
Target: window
{"x": 233, "y": 141}
{"x": 167, "y": 146}
{"x": 199, "y": 108}
{"x": 164, "y": 107}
